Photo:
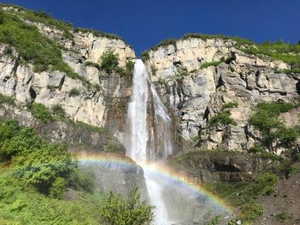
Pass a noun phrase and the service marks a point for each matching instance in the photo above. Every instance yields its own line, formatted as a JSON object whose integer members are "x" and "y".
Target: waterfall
{"x": 149, "y": 138}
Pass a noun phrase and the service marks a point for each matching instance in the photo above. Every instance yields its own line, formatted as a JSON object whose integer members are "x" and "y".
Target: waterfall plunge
{"x": 148, "y": 144}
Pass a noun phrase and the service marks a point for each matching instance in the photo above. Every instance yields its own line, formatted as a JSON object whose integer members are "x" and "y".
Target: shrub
{"x": 119, "y": 210}
{"x": 59, "y": 111}
{"x": 41, "y": 112}
{"x": 109, "y": 61}
{"x": 273, "y": 131}
{"x": 251, "y": 211}
{"x": 129, "y": 68}
{"x": 37, "y": 162}
{"x": 282, "y": 217}
{"x": 230, "y": 105}
{"x": 222, "y": 118}
{"x": 208, "y": 64}
{"x": 96, "y": 65}
{"x": 145, "y": 56}
{"x": 74, "y": 92}
{"x": 6, "y": 100}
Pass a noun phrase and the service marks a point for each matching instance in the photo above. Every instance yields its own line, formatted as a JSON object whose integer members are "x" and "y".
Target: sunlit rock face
{"x": 195, "y": 92}
{"x": 93, "y": 103}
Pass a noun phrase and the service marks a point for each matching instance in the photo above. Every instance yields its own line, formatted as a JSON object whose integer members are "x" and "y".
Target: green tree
{"x": 118, "y": 210}
{"x": 109, "y": 61}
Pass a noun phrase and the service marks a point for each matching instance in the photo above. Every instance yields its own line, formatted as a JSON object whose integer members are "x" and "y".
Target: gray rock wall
{"x": 194, "y": 93}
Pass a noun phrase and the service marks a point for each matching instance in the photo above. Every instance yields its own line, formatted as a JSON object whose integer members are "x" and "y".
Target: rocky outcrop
{"x": 196, "y": 77}
{"x": 224, "y": 166}
{"x": 88, "y": 100}
{"x": 78, "y": 136}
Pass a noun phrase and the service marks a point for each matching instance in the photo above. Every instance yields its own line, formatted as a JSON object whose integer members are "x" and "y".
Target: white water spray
{"x": 144, "y": 146}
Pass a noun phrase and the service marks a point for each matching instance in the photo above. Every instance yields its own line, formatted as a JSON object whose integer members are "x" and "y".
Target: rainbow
{"x": 160, "y": 169}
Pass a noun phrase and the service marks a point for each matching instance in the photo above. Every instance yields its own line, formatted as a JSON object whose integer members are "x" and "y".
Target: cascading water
{"x": 143, "y": 143}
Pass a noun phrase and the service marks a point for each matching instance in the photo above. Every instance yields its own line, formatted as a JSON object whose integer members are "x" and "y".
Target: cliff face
{"x": 93, "y": 96}
{"x": 197, "y": 77}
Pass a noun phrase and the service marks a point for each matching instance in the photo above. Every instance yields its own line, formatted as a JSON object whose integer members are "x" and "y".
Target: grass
{"x": 96, "y": 65}
{"x": 244, "y": 195}
{"x": 98, "y": 33}
{"x": 7, "y": 100}
{"x": 208, "y": 64}
{"x": 35, "y": 174}
{"x": 31, "y": 45}
{"x": 41, "y": 112}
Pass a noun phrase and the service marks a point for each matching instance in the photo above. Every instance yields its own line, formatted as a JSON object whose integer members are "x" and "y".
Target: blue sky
{"x": 144, "y": 23}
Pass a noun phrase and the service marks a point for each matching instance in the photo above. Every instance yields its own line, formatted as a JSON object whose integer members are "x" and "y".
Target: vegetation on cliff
{"x": 279, "y": 50}
{"x": 34, "y": 177}
{"x": 31, "y": 45}
{"x": 44, "y": 18}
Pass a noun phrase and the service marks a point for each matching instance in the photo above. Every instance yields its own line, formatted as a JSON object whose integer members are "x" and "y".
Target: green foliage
{"x": 239, "y": 40}
{"x": 32, "y": 46}
{"x": 89, "y": 63}
{"x": 6, "y": 100}
{"x": 208, "y": 64}
{"x": 74, "y": 92}
{"x": 289, "y": 53}
{"x": 215, "y": 221}
{"x": 165, "y": 43}
{"x": 37, "y": 162}
{"x": 273, "y": 131}
{"x": 41, "y": 112}
{"x": 244, "y": 194}
{"x": 282, "y": 217}
{"x": 145, "y": 56}
{"x": 230, "y": 105}
{"x": 58, "y": 188}
{"x": 129, "y": 68}
{"x": 82, "y": 180}
{"x": 118, "y": 210}
{"x": 43, "y": 17}
{"x": 90, "y": 127}
{"x": 109, "y": 61}
{"x": 98, "y": 33}
{"x": 251, "y": 211}
{"x": 222, "y": 118}
{"x": 58, "y": 111}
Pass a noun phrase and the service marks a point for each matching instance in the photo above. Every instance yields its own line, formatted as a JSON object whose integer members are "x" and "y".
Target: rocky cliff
{"x": 198, "y": 75}
{"x": 87, "y": 94}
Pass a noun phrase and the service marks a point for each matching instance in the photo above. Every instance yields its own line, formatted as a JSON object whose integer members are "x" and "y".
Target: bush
{"x": 74, "y": 92}
{"x": 273, "y": 131}
{"x": 6, "y": 100}
{"x": 58, "y": 188}
{"x": 282, "y": 217}
{"x": 59, "y": 111}
{"x": 208, "y": 64}
{"x": 251, "y": 211}
{"x": 244, "y": 195}
{"x": 96, "y": 65}
{"x": 118, "y": 210}
{"x": 41, "y": 112}
{"x": 38, "y": 163}
{"x": 129, "y": 68}
{"x": 230, "y": 105}
{"x": 222, "y": 118}
{"x": 109, "y": 61}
